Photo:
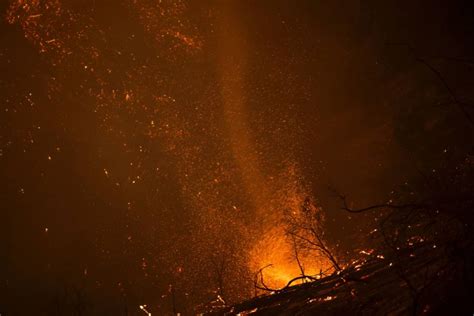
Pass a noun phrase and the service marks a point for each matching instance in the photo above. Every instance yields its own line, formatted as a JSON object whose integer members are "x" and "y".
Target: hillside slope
{"x": 423, "y": 279}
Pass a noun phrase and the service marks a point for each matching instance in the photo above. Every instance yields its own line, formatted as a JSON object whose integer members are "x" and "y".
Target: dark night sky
{"x": 141, "y": 141}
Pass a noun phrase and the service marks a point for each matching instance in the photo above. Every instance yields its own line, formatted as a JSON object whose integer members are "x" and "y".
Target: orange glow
{"x": 271, "y": 194}
{"x": 276, "y": 249}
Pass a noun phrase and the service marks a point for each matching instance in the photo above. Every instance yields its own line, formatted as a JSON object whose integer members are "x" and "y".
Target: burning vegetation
{"x": 421, "y": 262}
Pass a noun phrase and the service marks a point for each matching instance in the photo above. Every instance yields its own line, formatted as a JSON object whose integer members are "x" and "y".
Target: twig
{"x": 379, "y": 206}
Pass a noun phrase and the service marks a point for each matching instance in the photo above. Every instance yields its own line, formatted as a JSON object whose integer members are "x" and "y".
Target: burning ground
{"x": 418, "y": 280}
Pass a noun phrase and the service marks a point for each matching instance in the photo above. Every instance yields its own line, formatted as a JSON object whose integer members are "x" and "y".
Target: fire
{"x": 276, "y": 252}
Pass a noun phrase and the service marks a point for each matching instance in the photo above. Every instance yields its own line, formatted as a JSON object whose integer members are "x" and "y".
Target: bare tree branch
{"x": 378, "y": 206}
{"x": 455, "y": 100}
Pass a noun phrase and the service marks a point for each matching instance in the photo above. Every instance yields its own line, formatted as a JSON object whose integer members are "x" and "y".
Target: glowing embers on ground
{"x": 144, "y": 309}
{"x": 274, "y": 259}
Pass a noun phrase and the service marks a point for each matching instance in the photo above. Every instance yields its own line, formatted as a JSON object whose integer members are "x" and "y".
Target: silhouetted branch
{"x": 461, "y": 105}
{"x": 319, "y": 246}
{"x": 264, "y": 287}
{"x": 455, "y": 100}
{"x": 378, "y": 206}
{"x": 295, "y": 248}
